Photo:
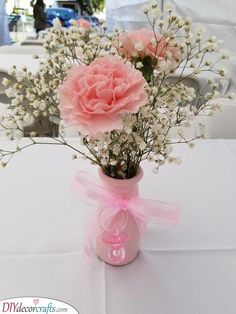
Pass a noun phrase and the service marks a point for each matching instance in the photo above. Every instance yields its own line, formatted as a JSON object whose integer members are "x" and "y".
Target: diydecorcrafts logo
{"x": 35, "y": 305}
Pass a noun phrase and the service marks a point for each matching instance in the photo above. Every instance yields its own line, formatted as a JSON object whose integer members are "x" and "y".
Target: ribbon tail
{"x": 140, "y": 219}
{"x": 151, "y": 211}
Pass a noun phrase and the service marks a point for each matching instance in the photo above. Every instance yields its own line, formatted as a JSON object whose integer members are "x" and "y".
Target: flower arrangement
{"x": 115, "y": 89}
{"x": 123, "y": 93}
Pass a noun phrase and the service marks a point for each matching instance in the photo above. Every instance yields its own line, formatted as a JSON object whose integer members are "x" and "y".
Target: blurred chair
{"x": 3, "y": 97}
{"x": 188, "y": 81}
{"x": 18, "y": 49}
{"x": 32, "y": 42}
{"x": 43, "y": 127}
{"x": 67, "y": 131}
{"x": 222, "y": 125}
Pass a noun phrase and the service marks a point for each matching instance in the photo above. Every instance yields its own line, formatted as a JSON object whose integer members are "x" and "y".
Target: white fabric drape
{"x": 219, "y": 19}
{"x": 126, "y": 13}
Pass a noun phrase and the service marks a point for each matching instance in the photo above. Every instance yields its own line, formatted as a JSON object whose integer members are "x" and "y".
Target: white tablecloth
{"x": 20, "y": 60}
{"x": 187, "y": 269}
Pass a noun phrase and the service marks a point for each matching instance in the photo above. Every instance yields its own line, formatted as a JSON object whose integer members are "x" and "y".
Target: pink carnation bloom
{"x": 144, "y": 37}
{"x": 93, "y": 97}
{"x": 84, "y": 24}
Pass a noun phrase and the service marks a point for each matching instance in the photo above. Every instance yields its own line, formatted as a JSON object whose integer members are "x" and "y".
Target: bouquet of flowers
{"x": 123, "y": 92}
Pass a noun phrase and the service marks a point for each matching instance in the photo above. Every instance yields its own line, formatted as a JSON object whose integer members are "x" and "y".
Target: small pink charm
{"x": 116, "y": 251}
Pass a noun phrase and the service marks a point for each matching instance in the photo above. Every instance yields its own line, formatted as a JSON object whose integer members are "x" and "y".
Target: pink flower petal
{"x": 93, "y": 97}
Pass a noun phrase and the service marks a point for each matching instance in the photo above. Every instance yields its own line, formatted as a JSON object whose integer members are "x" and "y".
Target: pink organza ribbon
{"x": 109, "y": 204}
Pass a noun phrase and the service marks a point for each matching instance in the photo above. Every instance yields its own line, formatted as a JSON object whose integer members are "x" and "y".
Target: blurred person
{"x": 63, "y": 22}
{"x": 4, "y": 30}
{"x": 40, "y": 18}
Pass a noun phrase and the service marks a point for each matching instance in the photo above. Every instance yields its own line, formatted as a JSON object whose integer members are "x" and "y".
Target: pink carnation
{"x": 83, "y": 23}
{"x": 144, "y": 37}
{"x": 93, "y": 97}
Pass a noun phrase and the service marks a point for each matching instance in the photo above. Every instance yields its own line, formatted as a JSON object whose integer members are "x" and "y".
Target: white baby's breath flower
{"x": 20, "y": 75}
{"x": 169, "y": 7}
{"x": 117, "y": 29}
{"x": 188, "y": 20}
{"x": 189, "y": 38}
{"x": 231, "y": 96}
{"x": 212, "y": 39}
{"x": 154, "y": 90}
{"x": 200, "y": 29}
{"x": 165, "y": 66}
{"x": 104, "y": 161}
{"x": 42, "y": 106}
{"x": 197, "y": 70}
{"x": 139, "y": 65}
{"x": 36, "y": 113}
{"x": 15, "y": 102}
{"x": 28, "y": 118}
{"x": 153, "y": 4}
{"x": 2, "y": 164}
{"x": 12, "y": 70}
{"x": 75, "y": 36}
{"x": 5, "y": 82}
{"x": 57, "y": 23}
{"x": 155, "y": 12}
{"x": 145, "y": 9}
{"x": 224, "y": 55}
{"x": 33, "y": 134}
{"x": 139, "y": 46}
{"x": 116, "y": 150}
{"x": 222, "y": 72}
{"x": 73, "y": 22}
{"x": 18, "y": 134}
{"x": 10, "y": 92}
{"x": 153, "y": 42}
{"x": 104, "y": 26}
{"x": 113, "y": 162}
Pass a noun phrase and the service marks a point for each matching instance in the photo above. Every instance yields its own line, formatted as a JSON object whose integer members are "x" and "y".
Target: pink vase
{"x": 118, "y": 243}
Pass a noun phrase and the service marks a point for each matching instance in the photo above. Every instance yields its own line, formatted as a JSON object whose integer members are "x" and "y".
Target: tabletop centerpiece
{"x": 123, "y": 92}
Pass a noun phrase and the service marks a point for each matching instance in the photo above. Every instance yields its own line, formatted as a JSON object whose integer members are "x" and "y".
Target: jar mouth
{"x": 125, "y": 182}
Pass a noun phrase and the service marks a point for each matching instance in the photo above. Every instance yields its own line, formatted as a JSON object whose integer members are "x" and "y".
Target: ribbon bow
{"x": 110, "y": 204}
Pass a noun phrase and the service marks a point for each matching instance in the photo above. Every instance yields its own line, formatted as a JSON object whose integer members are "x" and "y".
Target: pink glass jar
{"x": 118, "y": 243}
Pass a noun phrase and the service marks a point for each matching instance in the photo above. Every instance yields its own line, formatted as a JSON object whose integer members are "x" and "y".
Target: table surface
{"x": 186, "y": 269}
{"x": 20, "y": 60}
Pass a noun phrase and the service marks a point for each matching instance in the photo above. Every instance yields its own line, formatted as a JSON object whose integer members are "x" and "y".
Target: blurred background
{"x": 22, "y": 22}
{"x": 20, "y": 19}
